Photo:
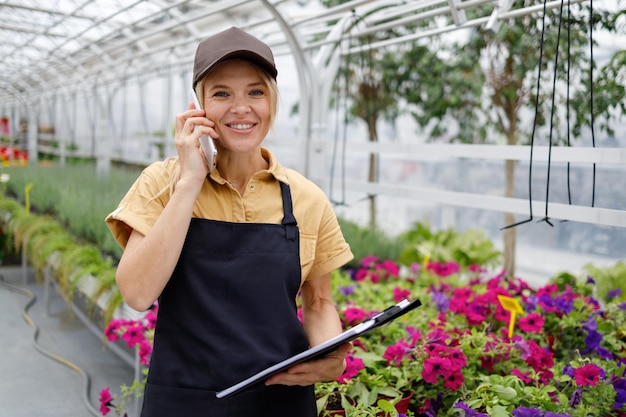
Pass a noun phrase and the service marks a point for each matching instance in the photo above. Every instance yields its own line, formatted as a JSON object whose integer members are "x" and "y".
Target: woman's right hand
{"x": 190, "y": 125}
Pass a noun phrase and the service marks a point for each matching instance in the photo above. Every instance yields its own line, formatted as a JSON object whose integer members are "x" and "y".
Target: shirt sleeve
{"x": 331, "y": 250}
{"x": 142, "y": 204}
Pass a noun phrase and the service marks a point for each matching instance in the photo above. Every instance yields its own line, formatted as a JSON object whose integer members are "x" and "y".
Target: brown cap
{"x": 231, "y": 43}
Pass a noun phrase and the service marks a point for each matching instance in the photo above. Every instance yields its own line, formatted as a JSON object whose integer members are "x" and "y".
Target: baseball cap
{"x": 231, "y": 43}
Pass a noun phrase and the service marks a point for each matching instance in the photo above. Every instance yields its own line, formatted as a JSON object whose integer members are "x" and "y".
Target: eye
{"x": 220, "y": 94}
{"x": 257, "y": 92}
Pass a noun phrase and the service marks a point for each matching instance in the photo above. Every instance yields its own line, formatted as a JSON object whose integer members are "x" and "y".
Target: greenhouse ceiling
{"x": 58, "y": 46}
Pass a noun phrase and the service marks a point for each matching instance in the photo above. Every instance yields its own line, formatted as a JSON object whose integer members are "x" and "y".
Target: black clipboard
{"x": 349, "y": 335}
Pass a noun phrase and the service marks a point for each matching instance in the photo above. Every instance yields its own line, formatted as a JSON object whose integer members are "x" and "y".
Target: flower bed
{"x": 463, "y": 352}
{"x": 456, "y": 355}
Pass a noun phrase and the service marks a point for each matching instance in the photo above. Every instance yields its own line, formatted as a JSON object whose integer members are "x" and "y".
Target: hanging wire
{"x": 532, "y": 136}
{"x": 554, "y": 77}
{"x": 592, "y": 120}
{"x": 567, "y": 99}
{"x": 567, "y": 109}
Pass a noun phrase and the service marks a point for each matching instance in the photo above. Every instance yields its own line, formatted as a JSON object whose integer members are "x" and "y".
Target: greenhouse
{"x": 472, "y": 153}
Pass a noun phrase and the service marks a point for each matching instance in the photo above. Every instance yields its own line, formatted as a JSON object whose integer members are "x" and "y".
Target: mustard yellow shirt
{"x": 322, "y": 245}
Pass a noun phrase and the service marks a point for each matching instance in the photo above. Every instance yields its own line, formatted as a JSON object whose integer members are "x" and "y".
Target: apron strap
{"x": 289, "y": 221}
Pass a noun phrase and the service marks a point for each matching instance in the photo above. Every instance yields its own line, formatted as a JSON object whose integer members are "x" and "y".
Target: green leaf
{"x": 506, "y": 393}
{"x": 499, "y": 411}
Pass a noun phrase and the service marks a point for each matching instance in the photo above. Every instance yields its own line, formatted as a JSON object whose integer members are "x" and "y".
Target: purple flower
{"x": 441, "y": 301}
{"x": 349, "y": 290}
{"x": 551, "y": 414}
{"x": 566, "y": 305}
{"x": 614, "y": 293}
{"x": 468, "y": 411}
{"x": 604, "y": 353}
{"x": 622, "y": 306}
{"x": 590, "y": 324}
{"x": 590, "y": 280}
{"x": 620, "y": 392}
{"x": 576, "y": 397}
{"x": 527, "y": 412}
{"x": 592, "y": 340}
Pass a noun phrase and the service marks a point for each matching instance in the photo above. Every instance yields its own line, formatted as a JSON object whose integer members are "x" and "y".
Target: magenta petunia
{"x": 395, "y": 353}
{"x": 145, "y": 350}
{"x": 390, "y": 268}
{"x": 454, "y": 380}
{"x": 588, "y": 374}
{"x": 524, "y": 376}
{"x": 353, "y": 366}
{"x": 399, "y": 294}
{"x": 134, "y": 335}
{"x": 435, "y": 366}
{"x": 354, "y": 314}
{"x": 457, "y": 358}
{"x": 111, "y": 330}
{"x": 105, "y": 401}
{"x": 532, "y": 323}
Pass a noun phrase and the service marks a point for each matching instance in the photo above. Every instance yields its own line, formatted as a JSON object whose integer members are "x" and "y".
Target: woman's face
{"x": 237, "y": 100}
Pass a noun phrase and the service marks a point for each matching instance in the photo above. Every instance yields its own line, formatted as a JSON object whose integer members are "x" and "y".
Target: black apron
{"x": 227, "y": 312}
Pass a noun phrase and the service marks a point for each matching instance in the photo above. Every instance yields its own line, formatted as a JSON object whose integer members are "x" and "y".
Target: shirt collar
{"x": 275, "y": 170}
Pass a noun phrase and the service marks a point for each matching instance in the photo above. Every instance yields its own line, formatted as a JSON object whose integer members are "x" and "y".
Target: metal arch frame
{"x": 108, "y": 53}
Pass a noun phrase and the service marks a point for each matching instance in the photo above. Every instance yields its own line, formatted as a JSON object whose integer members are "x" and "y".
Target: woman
{"x": 227, "y": 254}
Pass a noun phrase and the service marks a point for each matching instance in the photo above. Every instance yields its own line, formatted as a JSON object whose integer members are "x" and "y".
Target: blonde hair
{"x": 272, "y": 89}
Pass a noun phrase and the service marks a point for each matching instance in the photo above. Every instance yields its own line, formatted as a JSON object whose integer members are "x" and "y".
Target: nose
{"x": 240, "y": 105}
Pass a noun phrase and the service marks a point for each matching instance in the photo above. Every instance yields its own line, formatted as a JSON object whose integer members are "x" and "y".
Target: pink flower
{"x": 531, "y": 323}
{"x": 105, "y": 401}
{"x": 443, "y": 270}
{"x": 134, "y": 335}
{"x": 390, "y": 267}
{"x": 457, "y": 358}
{"x": 395, "y": 353}
{"x": 151, "y": 319}
{"x": 587, "y": 374}
{"x": 353, "y": 366}
{"x": 400, "y": 294}
{"x": 145, "y": 350}
{"x": 524, "y": 376}
{"x": 354, "y": 314}
{"x": 111, "y": 331}
{"x": 369, "y": 261}
{"x": 454, "y": 380}
{"x": 433, "y": 367}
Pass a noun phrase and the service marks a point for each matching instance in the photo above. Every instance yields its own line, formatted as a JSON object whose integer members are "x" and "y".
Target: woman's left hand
{"x": 327, "y": 368}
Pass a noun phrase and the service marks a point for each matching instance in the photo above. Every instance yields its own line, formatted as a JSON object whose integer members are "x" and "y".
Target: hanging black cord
{"x": 554, "y": 77}
{"x": 592, "y": 120}
{"x": 567, "y": 109}
{"x": 532, "y": 136}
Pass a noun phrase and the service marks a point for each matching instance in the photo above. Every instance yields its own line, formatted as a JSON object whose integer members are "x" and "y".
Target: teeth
{"x": 241, "y": 126}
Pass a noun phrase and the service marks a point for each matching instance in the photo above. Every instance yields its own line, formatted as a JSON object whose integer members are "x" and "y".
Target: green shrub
{"x": 77, "y": 197}
{"x": 465, "y": 248}
{"x": 366, "y": 242}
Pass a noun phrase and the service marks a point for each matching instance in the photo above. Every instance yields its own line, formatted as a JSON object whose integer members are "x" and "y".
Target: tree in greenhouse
{"x": 485, "y": 88}
{"x": 367, "y": 84}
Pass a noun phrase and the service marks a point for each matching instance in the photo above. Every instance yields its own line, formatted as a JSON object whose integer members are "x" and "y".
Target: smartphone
{"x": 206, "y": 143}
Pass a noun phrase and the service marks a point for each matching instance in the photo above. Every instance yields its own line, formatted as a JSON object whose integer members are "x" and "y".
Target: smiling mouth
{"x": 241, "y": 126}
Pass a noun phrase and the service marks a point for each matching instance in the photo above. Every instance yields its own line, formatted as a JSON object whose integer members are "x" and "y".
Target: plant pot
{"x": 334, "y": 409}
{"x": 401, "y": 406}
